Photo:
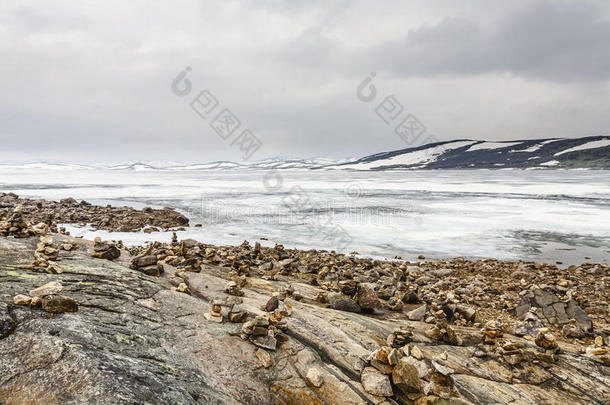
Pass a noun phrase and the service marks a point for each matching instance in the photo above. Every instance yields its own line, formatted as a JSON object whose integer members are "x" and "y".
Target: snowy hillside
{"x": 590, "y": 152}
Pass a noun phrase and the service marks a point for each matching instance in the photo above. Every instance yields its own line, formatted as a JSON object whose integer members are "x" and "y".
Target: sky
{"x": 100, "y": 81}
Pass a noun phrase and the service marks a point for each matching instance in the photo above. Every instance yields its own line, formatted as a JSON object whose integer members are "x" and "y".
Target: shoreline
{"x": 148, "y": 221}
{"x": 434, "y": 315}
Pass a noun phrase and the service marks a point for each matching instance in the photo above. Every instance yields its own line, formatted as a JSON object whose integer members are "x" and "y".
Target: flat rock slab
{"x": 134, "y": 340}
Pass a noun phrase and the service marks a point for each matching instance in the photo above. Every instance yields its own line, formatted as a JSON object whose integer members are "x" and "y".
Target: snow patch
{"x": 537, "y": 146}
{"x": 589, "y": 145}
{"x": 492, "y": 145}
{"x": 418, "y": 157}
{"x": 550, "y": 163}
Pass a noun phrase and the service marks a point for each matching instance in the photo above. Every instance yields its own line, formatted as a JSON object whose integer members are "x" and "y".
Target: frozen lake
{"x": 534, "y": 215}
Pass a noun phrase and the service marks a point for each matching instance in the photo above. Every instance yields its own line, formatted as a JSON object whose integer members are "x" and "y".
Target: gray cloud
{"x": 85, "y": 81}
{"x": 559, "y": 41}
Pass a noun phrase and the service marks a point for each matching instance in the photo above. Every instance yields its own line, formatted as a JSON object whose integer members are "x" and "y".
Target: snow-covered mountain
{"x": 589, "y": 152}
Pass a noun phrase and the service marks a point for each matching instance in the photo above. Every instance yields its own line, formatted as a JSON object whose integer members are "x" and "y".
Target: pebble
{"x": 546, "y": 340}
{"x": 314, "y": 377}
{"x": 367, "y": 296}
{"x": 416, "y": 353}
{"x": 58, "y": 304}
{"x": 417, "y": 314}
{"x": 21, "y": 299}
{"x": 264, "y": 357}
{"x": 237, "y": 314}
{"x": 53, "y": 287}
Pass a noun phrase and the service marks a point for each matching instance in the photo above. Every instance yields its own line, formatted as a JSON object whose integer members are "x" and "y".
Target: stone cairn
{"x": 232, "y": 310}
{"x": 234, "y": 289}
{"x": 215, "y": 313}
{"x": 48, "y": 297}
{"x": 266, "y": 330}
{"x": 15, "y": 225}
{"x": 237, "y": 314}
{"x": 105, "y": 250}
{"x": 147, "y": 264}
{"x": 599, "y": 351}
{"x": 46, "y": 252}
{"x": 263, "y": 331}
{"x": 401, "y": 369}
{"x": 492, "y": 331}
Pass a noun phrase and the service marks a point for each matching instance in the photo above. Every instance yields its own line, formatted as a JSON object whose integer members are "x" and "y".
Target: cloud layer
{"x": 91, "y": 81}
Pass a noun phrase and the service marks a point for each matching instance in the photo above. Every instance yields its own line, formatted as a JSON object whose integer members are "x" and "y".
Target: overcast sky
{"x": 91, "y": 81}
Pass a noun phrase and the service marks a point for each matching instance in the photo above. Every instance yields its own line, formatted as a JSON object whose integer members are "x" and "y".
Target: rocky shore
{"x": 70, "y": 211}
{"x": 187, "y": 322}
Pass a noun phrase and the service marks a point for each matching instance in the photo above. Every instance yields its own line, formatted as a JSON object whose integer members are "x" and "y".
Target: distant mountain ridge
{"x": 591, "y": 152}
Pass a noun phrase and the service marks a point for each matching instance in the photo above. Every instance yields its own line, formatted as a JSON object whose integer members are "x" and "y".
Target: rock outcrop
{"x": 137, "y": 338}
{"x": 19, "y": 212}
{"x": 553, "y": 310}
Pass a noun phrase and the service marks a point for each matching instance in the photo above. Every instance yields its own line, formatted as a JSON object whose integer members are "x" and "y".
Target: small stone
{"x": 237, "y": 314}
{"x": 267, "y": 342}
{"x": 596, "y": 351}
{"x": 234, "y": 289}
{"x": 264, "y": 357}
{"x": 53, "y": 268}
{"x": 213, "y": 316}
{"x": 47, "y": 240}
{"x": 599, "y": 341}
{"x": 360, "y": 364}
{"x": 546, "y": 340}
{"x": 382, "y": 353}
{"x": 272, "y": 304}
{"x": 382, "y": 367}
{"x": 440, "y": 273}
{"x": 393, "y": 357}
{"x": 406, "y": 377}
{"x": 376, "y": 383}
{"x": 367, "y": 296}
{"x": 58, "y": 304}
{"x": 416, "y": 352}
{"x": 417, "y": 314}
{"x": 21, "y": 299}
{"x": 144, "y": 261}
{"x": 105, "y": 250}
{"x": 400, "y": 337}
{"x": 154, "y": 270}
{"x": 573, "y": 330}
{"x": 51, "y": 288}
{"x": 467, "y": 312}
{"x": 314, "y": 377}
{"x": 420, "y": 365}
{"x": 442, "y": 369}
{"x": 492, "y": 330}
{"x": 183, "y": 288}
{"x": 342, "y": 302}
{"x": 259, "y": 331}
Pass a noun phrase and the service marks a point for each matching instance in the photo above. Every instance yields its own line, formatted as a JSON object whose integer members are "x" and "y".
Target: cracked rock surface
{"x": 134, "y": 340}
